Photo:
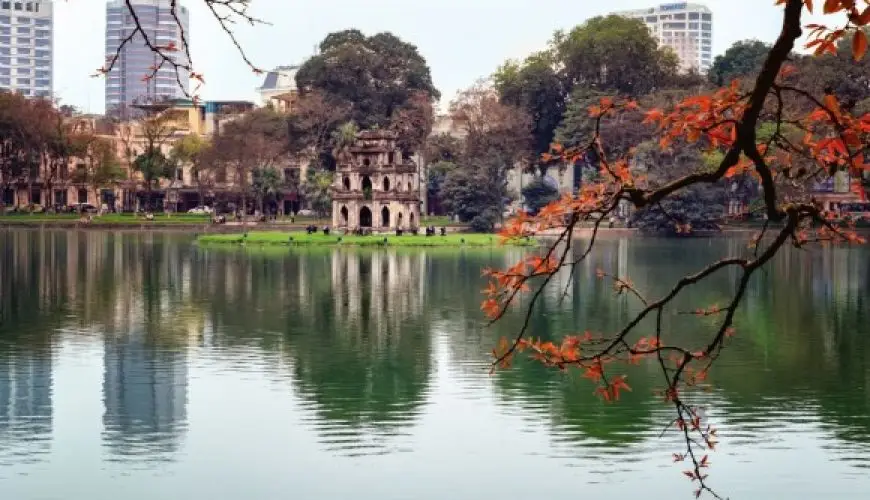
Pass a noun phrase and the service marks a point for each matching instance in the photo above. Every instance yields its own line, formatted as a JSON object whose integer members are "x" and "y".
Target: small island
{"x": 302, "y": 238}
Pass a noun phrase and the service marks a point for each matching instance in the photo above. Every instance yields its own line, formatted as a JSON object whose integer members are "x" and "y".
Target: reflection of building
{"x": 25, "y": 401}
{"x": 127, "y": 82}
{"x": 145, "y": 397}
{"x": 687, "y": 28}
{"x": 375, "y": 185}
{"x": 26, "y": 47}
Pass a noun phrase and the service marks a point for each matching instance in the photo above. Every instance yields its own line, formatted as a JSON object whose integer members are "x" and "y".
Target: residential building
{"x": 279, "y": 88}
{"x": 685, "y": 27}
{"x": 26, "y": 47}
{"x": 126, "y": 83}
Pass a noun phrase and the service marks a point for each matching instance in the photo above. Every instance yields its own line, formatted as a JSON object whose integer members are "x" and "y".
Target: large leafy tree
{"x": 384, "y": 81}
{"x": 496, "y": 140}
{"x": 743, "y": 58}
{"x": 536, "y": 87}
{"x": 615, "y": 54}
{"x": 257, "y": 140}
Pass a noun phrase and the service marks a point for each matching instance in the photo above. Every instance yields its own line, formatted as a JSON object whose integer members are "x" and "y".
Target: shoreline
{"x": 239, "y": 228}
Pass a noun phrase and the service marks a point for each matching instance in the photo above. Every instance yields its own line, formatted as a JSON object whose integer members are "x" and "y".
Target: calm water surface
{"x": 139, "y": 366}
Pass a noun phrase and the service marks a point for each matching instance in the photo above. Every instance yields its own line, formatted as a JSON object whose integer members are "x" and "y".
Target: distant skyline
{"x": 462, "y": 40}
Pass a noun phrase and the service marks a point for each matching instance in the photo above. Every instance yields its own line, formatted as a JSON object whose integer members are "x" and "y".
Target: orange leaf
{"x": 859, "y": 45}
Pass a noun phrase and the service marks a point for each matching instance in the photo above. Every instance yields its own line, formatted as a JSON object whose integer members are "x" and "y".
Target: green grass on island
{"x": 301, "y": 238}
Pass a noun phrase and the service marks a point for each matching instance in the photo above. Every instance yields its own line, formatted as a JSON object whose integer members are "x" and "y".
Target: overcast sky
{"x": 462, "y": 40}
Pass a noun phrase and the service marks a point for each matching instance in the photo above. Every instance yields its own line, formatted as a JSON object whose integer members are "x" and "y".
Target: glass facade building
{"x": 26, "y": 47}
{"x": 126, "y": 83}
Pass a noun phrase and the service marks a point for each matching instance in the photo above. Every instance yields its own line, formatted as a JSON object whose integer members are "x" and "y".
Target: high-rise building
{"x": 685, "y": 27}
{"x": 26, "y": 41}
{"x": 126, "y": 83}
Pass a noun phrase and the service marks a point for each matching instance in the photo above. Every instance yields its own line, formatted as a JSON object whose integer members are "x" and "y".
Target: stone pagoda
{"x": 375, "y": 186}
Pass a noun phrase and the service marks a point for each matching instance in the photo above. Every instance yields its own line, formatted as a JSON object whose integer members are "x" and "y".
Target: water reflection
{"x": 374, "y": 352}
{"x": 25, "y": 406}
{"x": 145, "y": 398}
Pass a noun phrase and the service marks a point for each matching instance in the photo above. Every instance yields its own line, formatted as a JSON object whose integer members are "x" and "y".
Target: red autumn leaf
{"x": 859, "y": 45}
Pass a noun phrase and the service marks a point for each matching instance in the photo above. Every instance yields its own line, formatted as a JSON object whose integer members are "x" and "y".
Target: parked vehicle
{"x": 82, "y": 207}
{"x": 201, "y": 211}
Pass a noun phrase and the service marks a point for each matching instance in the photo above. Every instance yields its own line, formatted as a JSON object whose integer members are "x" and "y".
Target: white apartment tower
{"x": 687, "y": 28}
{"x": 26, "y": 47}
{"x": 124, "y": 83}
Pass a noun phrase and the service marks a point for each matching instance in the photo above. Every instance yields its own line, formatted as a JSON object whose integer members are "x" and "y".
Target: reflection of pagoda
{"x": 375, "y": 185}
{"x": 383, "y": 288}
{"x": 145, "y": 397}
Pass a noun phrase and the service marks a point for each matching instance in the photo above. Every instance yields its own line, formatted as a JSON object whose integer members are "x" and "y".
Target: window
{"x": 43, "y": 22}
{"x": 706, "y": 26}
{"x": 22, "y": 81}
{"x": 5, "y": 19}
{"x": 23, "y": 50}
{"x": 23, "y": 71}
{"x": 17, "y": 5}
{"x": 42, "y": 53}
{"x": 694, "y": 26}
{"x": 5, "y": 81}
{"x": 43, "y": 74}
{"x": 23, "y": 60}
{"x": 694, "y": 15}
{"x": 4, "y": 71}
{"x": 680, "y": 16}
{"x": 5, "y": 6}
{"x": 5, "y": 60}
{"x": 43, "y": 33}
{"x": 4, "y": 51}
{"x": 5, "y": 39}
{"x": 23, "y": 40}
{"x": 23, "y": 20}
{"x": 42, "y": 42}
{"x": 29, "y": 7}
{"x": 23, "y": 30}
{"x": 707, "y": 17}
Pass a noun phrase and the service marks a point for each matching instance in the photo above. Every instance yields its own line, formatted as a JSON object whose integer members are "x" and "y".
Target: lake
{"x": 139, "y": 366}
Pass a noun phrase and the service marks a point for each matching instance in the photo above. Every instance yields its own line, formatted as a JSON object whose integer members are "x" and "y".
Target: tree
{"x": 743, "y": 58}
{"x": 257, "y": 140}
{"x": 101, "y": 167}
{"x": 613, "y": 54}
{"x": 436, "y": 175}
{"x": 475, "y": 196}
{"x": 265, "y": 182}
{"x": 534, "y": 86}
{"x": 384, "y": 81}
{"x": 317, "y": 190}
{"x": 155, "y": 133}
{"x": 496, "y": 140}
{"x": 725, "y": 121}
{"x": 192, "y": 150}
{"x": 311, "y": 124}
{"x": 538, "y": 194}
{"x": 698, "y": 207}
